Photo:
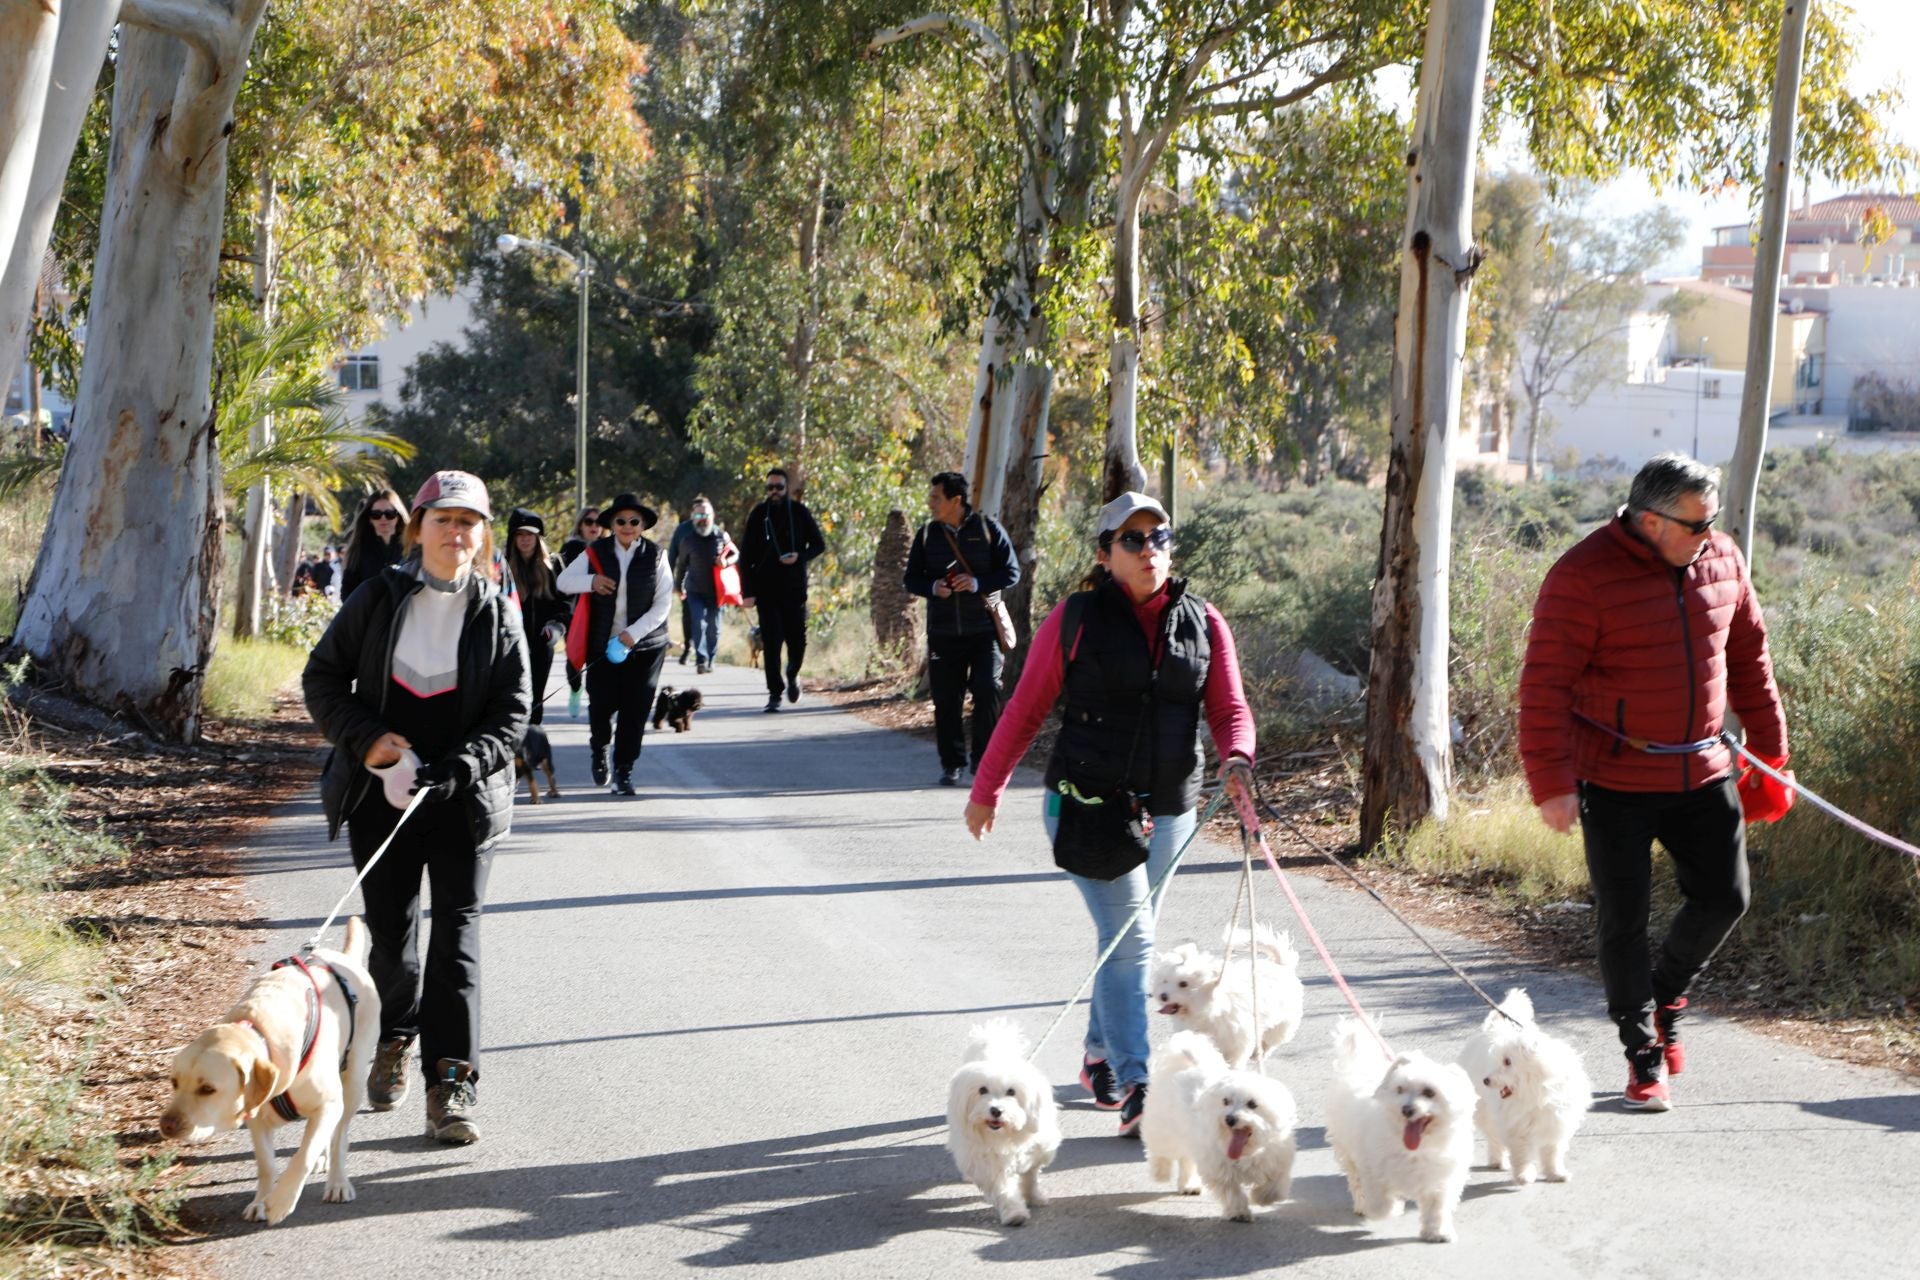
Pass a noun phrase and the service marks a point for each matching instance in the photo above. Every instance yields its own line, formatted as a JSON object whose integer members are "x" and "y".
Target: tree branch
{"x": 208, "y": 28}
{"x": 944, "y": 24}
{"x": 1342, "y": 70}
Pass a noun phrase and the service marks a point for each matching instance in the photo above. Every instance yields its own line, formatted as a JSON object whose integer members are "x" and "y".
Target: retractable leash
{"x": 308, "y": 946}
{"x": 1826, "y": 806}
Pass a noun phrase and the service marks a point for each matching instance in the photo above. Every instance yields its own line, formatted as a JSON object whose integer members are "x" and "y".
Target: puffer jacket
{"x": 351, "y": 669}
{"x": 1653, "y": 652}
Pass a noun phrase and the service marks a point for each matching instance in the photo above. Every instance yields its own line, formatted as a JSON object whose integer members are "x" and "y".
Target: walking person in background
{"x": 1141, "y": 660}
{"x": 326, "y": 573}
{"x": 1644, "y": 634}
{"x": 626, "y": 634}
{"x": 676, "y": 548}
{"x": 958, "y": 559}
{"x": 586, "y": 532}
{"x": 705, "y": 549}
{"x": 422, "y": 678}
{"x": 781, "y": 538}
{"x": 374, "y": 542}
{"x": 544, "y": 609}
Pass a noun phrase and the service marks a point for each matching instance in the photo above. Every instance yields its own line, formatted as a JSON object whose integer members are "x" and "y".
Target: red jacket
{"x": 1655, "y": 652}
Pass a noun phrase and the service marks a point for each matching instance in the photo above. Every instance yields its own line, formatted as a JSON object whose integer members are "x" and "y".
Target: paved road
{"x": 720, "y": 1018}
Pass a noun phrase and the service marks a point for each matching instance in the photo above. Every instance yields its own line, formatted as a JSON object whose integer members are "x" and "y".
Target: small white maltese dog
{"x": 1534, "y": 1091}
{"x": 1208, "y": 1125}
{"x": 1206, "y": 994}
{"x": 1002, "y": 1125}
{"x": 1401, "y": 1129}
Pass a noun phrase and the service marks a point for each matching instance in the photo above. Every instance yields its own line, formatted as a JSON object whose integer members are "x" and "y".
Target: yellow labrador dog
{"x": 296, "y": 1046}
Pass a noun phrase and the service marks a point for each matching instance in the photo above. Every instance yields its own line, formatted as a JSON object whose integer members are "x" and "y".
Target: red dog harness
{"x": 282, "y": 1102}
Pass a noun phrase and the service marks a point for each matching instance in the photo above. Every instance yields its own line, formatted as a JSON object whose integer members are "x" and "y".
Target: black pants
{"x": 623, "y": 692}
{"x": 1704, "y": 834}
{"x": 783, "y": 622}
{"x": 443, "y": 1010}
{"x": 539, "y": 663}
{"x": 956, "y": 666}
{"x": 686, "y": 629}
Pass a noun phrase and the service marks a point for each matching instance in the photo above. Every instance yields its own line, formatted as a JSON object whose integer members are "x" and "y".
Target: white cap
{"x": 396, "y": 779}
{"x": 1124, "y": 507}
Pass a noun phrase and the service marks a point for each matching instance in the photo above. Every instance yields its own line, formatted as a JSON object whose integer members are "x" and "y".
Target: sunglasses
{"x": 1136, "y": 541}
{"x": 383, "y": 515}
{"x": 1694, "y": 527}
{"x": 776, "y": 488}
{"x": 628, "y": 523}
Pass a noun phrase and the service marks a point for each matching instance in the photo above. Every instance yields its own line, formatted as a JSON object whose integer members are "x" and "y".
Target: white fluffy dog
{"x": 1400, "y": 1129}
{"x": 1534, "y": 1091}
{"x": 1002, "y": 1125}
{"x": 1207, "y": 1125}
{"x": 1205, "y": 993}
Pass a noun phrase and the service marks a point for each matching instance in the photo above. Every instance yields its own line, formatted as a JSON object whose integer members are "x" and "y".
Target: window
{"x": 1710, "y": 389}
{"x": 360, "y": 373}
{"x": 1808, "y": 374}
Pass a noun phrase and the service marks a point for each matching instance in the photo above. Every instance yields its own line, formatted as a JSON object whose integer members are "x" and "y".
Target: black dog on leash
{"x": 676, "y": 708}
{"x": 535, "y": 753}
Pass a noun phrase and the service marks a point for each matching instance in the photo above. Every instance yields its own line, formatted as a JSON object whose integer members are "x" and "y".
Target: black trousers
{"x": 441, "y": 1006}
{"x": 686, "y": 629}
{"x": 540, "y": 664}
{"x": 957, "y": 666}
{"x": 619, "y": 700}
{"x": 1705, "y": 835}
{"x": 783, "y": 623}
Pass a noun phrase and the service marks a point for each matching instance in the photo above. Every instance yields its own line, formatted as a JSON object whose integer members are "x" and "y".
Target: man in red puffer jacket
{"x": 1644, "y": 634}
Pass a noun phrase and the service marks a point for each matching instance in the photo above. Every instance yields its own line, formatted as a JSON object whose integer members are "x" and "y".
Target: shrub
{"x": 297, "y": 621}
{"x": 246, "y": 676}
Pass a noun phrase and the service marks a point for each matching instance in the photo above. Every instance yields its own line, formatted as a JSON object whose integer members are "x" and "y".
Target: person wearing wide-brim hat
{"x": 544, "y": 608}
{"x": 632, "y": 591}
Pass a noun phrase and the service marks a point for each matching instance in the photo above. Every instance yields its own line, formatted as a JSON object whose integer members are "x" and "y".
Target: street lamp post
{"x": 1699, "y": 380}
{"x": 582, "y": 273}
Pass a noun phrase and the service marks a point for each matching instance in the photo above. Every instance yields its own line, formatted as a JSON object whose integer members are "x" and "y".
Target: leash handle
{"x": 333, "y": 915}
{"x": 1832, "y": 810}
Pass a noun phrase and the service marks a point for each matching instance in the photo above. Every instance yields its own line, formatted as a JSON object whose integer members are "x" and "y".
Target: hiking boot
{"x": 623, "y": 783}
{"x": 1097, "y": 1078}
{"x": 1666, "y": 1021}
{"x": 773, "y": 702}
{"x": 702, "y": 668}
{"x": 793, "y": 688}
{"x": 573, "y": 704}
{"x": 1646, "y": 1080}
{"x": 387, "y": 1077}
{"x": 450, "y": 1103}
{"x": 1132, "y": 1107}
{"x": 950, "y": 777}
{"x": 599, "y": 766}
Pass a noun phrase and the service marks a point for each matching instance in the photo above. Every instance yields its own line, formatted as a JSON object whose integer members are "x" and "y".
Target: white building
{"x": 1872, "y": 328}
{"x": 373, "y": 374}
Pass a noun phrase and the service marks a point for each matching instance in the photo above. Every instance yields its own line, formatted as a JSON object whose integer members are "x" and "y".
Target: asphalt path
{"x": 720, "y": 1017}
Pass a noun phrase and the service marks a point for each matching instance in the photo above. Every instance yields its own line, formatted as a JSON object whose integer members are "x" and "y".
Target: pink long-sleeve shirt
{"x": 1228, "y": 715}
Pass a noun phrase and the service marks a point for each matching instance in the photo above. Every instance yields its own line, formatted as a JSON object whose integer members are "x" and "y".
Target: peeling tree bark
{"x": 123, "y": 605}
{"x": 1408, "y": 751}
{"x": 29, "y": 32}
{"x": 254, "y": 570}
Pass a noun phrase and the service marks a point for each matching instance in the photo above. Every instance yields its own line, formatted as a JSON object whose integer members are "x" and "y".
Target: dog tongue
{"x": 1237, "y": 1144}
{"x": 1415, "y": 1130}
{"x": 1169, "y": 1008}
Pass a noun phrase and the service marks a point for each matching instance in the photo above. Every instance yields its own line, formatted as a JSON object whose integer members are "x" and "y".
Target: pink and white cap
{"x": 454, "y": 489}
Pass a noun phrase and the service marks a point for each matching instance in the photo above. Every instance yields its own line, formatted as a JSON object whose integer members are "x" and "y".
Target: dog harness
{"x": 282, "y": 1102}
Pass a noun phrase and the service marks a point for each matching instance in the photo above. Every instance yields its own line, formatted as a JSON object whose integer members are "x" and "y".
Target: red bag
{"x": 726, "y": 584}
{"x": 577, "y": 628}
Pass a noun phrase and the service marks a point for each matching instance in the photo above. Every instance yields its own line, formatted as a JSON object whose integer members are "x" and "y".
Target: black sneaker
{"x": 1096, "y": 1077}
{"x": 623, "y": 783}
{"x": 1131, "y": 1109}
{"x": 387, "y": 1077}
{"x": 773, "y": 702}
{"x": 950, "y": 777}
{"x": 793, "y": 688}
{"x": 450, "y": 1103}
{"x": 599, "y": 766}
{"x": 683, "y": 657}
{"x": 1646, "y": 1080}
{"x": 702, "y": 668}
{"x": 1666, "y": 1021}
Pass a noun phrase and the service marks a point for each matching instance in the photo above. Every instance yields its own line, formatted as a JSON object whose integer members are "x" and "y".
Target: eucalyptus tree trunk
{"x": 79, "y": 53}
{"x": 1408, "y": 761}
{"x": 254, "y": 569}
{"x": 293, "y": 523}
{"x": 1122, "y": 470}
{"x": 29, "y": 30}
{"x": 1743, "y": 476}
{"x": 124, "y": 601}
{"x": 806, "y": 328}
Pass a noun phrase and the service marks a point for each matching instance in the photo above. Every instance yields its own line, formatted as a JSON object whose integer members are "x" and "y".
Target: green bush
{"x": 297, "y": 621}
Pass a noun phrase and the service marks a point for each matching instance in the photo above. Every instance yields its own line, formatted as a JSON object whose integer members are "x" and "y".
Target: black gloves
{"x": 443, "y": 779}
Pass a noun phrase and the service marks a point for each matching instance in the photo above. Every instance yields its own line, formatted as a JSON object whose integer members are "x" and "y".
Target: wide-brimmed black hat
{"x": 628, "y": 502}
{"x": 525, "y": 519}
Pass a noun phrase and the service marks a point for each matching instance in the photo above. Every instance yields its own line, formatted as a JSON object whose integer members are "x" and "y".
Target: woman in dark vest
{"x": 1142, "y": 661}
{"x": 420, "y": 684}
{"x": 585, "y": 534}
{"x": 375, "y": 541}
{"x": 626, "y": 633}
{"x": 544, "y": 610}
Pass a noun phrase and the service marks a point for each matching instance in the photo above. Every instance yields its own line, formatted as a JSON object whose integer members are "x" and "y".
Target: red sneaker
{"x": 1646, "y": 1080}
{"x": 1097, "y": 1078}
{"x": 1666, "y": 1021}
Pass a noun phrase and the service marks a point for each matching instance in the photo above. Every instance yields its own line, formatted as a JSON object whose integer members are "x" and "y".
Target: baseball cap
{"x": 1124, "y": 507}
{"x": 453, "y": 489}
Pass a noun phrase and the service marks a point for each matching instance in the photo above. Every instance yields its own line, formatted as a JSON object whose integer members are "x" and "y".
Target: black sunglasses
{"x": 776, "y": 488}
{"x": 383, "y": 515}
{"x": 1694, "y": 527}
{"x": 620, "y": 523}
{"x": 1136, "y": 541}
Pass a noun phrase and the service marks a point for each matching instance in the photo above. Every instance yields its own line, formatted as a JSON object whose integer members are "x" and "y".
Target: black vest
{"x": 641, "y": 571}
{"x": 1118, "y": 709}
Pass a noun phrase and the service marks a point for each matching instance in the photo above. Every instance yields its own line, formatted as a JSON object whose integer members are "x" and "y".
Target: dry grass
{"x": 246, "y": 677}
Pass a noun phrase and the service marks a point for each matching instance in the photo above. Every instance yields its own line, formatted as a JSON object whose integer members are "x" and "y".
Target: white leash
{"x": 321, "y": 932}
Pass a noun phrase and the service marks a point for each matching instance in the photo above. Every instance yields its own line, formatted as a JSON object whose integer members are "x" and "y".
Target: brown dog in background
{"x": 676, "y": 709}
{"x": 535, "y": 752}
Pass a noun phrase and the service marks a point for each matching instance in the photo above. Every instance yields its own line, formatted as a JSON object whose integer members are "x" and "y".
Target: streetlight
{"x": 583, "y": 272}
{"x": 1699, "y": 380}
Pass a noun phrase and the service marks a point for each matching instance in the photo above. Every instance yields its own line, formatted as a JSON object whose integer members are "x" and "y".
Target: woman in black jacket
{"x": 544, "y": 611}
{"x": 375, "y": 541}
{"x": 425, "y": 671}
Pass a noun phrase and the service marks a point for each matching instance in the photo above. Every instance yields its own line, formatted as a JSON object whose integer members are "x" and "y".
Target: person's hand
{"x": 792, "y": 557}
{"x": 1761, "y": 798}
{"x": 385, "y": 750}
{"x": 943, "y": 588}
{"x": 965, "y": 582}
{"x": 680, "y": 594}
{"x": 746, "y": 602}
{"x": 555, "y": 633}
{"x": 979, "y": 818}
{"x": 442, "y": 779}
{"x": 603, "y": 585}
{"x": 617, "y": 649}
{"x": 1236, "y": 779}
{"x": 1561, "y": 812}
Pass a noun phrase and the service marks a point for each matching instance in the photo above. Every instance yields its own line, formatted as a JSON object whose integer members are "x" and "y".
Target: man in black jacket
{"x": 781, "y": 537}
{"x": 959, "y": 558}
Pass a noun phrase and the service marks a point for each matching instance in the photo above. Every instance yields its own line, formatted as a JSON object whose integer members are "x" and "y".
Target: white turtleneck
{"x": 426, "y": 657}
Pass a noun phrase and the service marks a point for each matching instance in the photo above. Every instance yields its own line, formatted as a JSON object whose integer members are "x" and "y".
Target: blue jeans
{"x": 1117, "y": 1020}
{"x": 705, "y": 632}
